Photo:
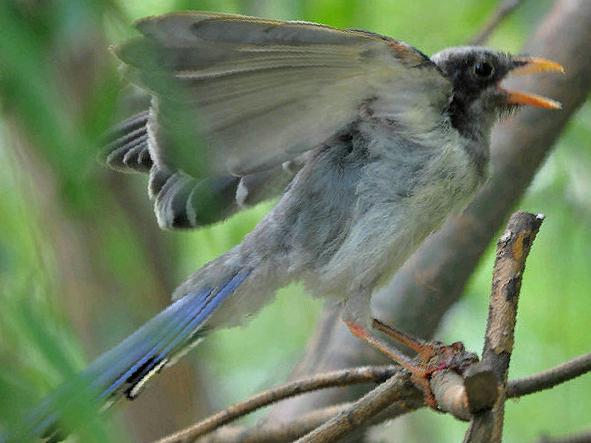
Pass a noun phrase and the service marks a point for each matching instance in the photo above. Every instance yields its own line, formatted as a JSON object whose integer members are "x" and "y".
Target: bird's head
{"x": 478, "y": 97}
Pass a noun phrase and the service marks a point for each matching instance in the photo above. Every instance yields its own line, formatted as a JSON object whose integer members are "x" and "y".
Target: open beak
{"x": 530, "y": 65}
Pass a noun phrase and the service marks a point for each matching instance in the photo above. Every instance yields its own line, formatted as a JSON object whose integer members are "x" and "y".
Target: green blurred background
{"x": 82, "y": 262}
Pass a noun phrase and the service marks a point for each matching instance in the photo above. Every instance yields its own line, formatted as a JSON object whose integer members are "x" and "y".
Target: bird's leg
{"x": 426, "y": 350}
{"x": 382, "y": 346}
{"x": 431, "y": 356}
{"x": 419, "y": 375}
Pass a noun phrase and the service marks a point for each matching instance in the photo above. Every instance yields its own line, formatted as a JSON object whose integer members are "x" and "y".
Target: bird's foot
{"x": 432, "y": 356}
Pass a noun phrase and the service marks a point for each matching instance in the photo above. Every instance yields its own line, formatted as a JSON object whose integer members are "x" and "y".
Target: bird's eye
{"x": 483, "y": 70}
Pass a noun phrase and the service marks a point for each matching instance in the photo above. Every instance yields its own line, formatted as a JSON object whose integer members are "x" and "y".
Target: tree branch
{"x": 466, "y": 394}
{"x": 583, "y": 437}
{"x": 271, "y": 432}
{"x": 550, "y": 378}
{"x": 279, "y": 432}
{"x": 512, "y": 251}
{"x": 505, "y": 8}
{"x": 362, "y": 410}
{"x": 345, "y": 377}
{"x": 448, "y": 387}
{"x": 377, "y": 374}
{"x": 475, "y": 385}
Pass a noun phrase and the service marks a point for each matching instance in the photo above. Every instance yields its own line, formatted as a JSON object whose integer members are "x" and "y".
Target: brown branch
{"x": 448, "y": 387}
{"x": 278, "y": 432}
{"x": 512, "y": 251}
{"x": 451, "y": 394}
{"x": 398, "y": 395}
{"x": 505, "y": 8}
{"x": 462, "y": 397}
{"x": 394, "y": 389}
{"x": 445, "y": 385}
{"x": 345, "y": 377}
{"x": 583, "y": 437}
{"x": 550, "y": 378}
{"x": 270, "y": 432}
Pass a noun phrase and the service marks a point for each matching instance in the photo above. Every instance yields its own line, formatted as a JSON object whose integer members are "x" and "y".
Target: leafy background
{"x": 82, "y": 262}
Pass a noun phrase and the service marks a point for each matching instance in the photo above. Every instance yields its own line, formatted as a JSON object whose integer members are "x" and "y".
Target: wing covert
{"x": 247, "y": 94}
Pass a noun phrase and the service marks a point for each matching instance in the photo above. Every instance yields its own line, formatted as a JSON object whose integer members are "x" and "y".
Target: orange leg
{"x": 432, "y": 356}
{"x": 382, "y": 346}
{"x": 425, "y": 350}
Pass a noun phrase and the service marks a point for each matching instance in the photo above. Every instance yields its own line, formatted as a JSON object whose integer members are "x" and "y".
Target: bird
{"x": 366, "y": 143}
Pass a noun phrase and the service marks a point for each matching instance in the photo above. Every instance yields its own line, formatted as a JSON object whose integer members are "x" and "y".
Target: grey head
{"x": 478, "y": 98}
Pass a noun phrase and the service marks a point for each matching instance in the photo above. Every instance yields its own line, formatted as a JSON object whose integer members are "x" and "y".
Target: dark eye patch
{"x": 483, "y": 70}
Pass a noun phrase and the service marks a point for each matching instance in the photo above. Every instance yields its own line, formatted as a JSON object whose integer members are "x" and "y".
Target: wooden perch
{"x": 345, "y": 377}
{"x": 512, "y": 251}
{"x": 550, "y": 378}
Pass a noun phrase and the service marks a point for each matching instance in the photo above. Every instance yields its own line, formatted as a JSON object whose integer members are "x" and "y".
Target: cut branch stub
{"x": 512, "y": 251}
{"x": 482, "y": 387}
{"x": 463, "y": 393}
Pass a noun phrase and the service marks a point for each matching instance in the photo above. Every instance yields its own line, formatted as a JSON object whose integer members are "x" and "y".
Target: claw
{"x": 431, "y": 357}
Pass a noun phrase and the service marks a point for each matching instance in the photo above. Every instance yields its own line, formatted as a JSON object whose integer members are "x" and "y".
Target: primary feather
{"x": 255, "y": 93}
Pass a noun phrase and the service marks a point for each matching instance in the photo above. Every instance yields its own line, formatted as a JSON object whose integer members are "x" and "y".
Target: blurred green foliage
{"x": 57, "y": 101}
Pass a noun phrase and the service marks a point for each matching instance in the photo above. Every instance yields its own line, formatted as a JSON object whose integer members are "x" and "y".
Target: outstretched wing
{"x": 180, "y": 200}
{"x": 237, "y": 95}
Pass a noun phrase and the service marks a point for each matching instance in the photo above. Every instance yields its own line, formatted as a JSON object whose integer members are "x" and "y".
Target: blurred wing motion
{"x": 234, "y": 96}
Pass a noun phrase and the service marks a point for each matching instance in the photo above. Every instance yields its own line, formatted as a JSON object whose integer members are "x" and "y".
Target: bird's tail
{"x": 124, "y": 370}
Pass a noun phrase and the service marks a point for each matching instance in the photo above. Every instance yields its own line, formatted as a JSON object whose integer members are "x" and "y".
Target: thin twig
{"x": 583, "y": 437}
{"x": 550, "y": 378}
{"x": 274, "y": 432}
{"x": 271, "y": 432}
{"x": 515, "y": 389}
{"x": 345, "y": 377}
{"x": 299, "y": 426}
{"x": 399, "y": 393}
{"x": 361, "y": 411}
{"x": 282, "y": 432}
{"x": 505, "y": 8}
{"x": 512, "y": 251}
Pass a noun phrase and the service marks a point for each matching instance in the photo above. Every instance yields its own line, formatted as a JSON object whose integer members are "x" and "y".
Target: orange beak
{"x": 530, "y": 65}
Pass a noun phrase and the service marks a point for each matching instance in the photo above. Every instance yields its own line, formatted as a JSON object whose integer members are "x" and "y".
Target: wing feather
{"x": 259, "y": 92}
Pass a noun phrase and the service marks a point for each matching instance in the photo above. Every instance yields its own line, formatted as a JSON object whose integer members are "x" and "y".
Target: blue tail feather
{"x": 181, "y": 312}
{"x": 171, "y": 329}
{"x": 124, "y": 370}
